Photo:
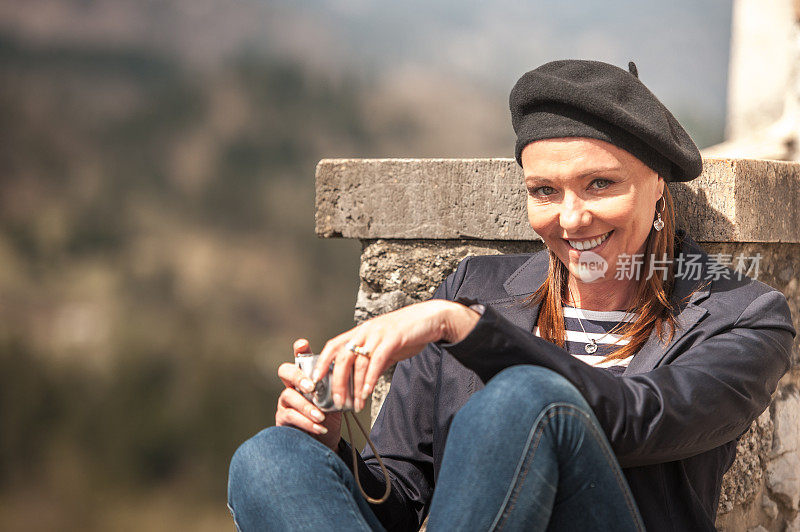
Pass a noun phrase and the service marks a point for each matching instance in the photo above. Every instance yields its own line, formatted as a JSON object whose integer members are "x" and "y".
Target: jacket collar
{"x": 528, "y": 277}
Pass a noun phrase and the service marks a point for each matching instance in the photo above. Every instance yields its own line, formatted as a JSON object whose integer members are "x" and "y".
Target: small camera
{"x": 321, "y": 396}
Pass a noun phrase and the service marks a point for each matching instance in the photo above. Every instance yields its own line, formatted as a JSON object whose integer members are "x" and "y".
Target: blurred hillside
{"x": 156, "y": 240}
{"x": 157, "y": 252}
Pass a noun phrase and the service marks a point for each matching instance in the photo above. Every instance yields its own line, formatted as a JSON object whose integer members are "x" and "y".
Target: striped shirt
{"x": 597, "y": 324}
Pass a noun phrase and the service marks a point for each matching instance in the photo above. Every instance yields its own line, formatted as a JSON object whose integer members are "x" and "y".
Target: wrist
{"x": 459, "y": 320}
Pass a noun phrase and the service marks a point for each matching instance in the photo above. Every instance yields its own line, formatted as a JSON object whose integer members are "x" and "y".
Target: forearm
{"x": 656, "y": 416}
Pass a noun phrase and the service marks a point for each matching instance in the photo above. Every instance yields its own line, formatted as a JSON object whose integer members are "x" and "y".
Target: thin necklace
{"x": 591, "y": 346}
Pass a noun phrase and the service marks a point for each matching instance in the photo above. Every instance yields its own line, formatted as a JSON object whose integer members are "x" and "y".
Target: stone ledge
{"x": 485, "y": 199}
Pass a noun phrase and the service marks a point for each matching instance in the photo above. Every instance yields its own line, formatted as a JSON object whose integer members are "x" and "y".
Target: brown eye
{"x": 606, "y": 183}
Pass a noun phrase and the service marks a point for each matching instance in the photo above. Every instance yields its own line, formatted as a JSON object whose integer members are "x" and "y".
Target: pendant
{"x": 591, "y": 347}
{"x": 658, "y": 224}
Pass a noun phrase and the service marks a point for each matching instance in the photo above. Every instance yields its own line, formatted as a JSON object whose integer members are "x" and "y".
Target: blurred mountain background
{"x": 157, "y": 251}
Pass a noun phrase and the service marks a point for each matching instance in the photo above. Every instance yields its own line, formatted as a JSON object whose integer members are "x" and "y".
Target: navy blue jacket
{"x": 673, "y": 418}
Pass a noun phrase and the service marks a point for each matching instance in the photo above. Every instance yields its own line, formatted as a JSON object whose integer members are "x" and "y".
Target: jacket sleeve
{"x": 403, "y": 435}
{"x": 706, "y": 397}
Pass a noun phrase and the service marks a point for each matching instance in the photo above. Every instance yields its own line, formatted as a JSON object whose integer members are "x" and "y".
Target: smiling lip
{"x": 594, "y": 249}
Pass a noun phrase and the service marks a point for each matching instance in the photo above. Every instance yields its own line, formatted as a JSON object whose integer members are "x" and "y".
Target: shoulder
{"x": 748, "y": 302}
{"x": 483, "y": 276}
{"x": 506, "y": 263}
{"x": 737, "y": 294}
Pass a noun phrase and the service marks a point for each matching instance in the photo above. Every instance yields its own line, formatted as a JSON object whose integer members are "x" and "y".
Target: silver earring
{"x": 658, "y": 224}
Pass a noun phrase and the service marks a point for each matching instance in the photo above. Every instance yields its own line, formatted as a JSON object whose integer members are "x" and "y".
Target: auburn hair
{"x": 651, "y": 302}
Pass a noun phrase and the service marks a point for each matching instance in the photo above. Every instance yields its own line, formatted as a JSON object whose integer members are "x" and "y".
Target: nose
{"x": 574, "y": 214}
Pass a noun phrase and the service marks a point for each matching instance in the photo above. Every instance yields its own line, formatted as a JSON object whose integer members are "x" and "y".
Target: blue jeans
{"x": 524, "y": 453}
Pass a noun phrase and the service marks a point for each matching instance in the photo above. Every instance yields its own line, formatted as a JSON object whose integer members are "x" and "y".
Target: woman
{"x": 545, "y": 390}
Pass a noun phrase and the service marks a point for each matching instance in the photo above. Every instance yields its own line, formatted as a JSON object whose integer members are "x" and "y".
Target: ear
{"x": 660, "y": 187}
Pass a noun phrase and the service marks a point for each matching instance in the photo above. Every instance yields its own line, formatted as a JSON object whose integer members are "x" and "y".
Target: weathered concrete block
{"x": 745, "y": 477}
{"x": 769, "y": 507}
{"x": 787, "y": 423}
{"x": 741, "y": 200}
{"x": 417, "y": 198}
{"x": 485, "y": 199}
{"x": 783, "y": 467}
{"x": 783, "y": 479}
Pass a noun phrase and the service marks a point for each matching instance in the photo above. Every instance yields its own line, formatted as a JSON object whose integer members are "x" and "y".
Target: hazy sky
{"x": 681, "y": 47}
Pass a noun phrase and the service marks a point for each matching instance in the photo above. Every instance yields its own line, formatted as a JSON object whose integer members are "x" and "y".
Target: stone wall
{"x": 417, "y": 218}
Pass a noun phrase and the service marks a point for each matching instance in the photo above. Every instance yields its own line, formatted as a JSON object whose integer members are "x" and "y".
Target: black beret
{"x": 577, "y": 98}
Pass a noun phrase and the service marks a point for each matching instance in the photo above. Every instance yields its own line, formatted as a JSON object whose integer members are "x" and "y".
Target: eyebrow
{"x": 531, "y": 179}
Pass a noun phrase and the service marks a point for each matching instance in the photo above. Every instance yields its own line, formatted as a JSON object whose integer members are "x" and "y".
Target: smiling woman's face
{"x": 581, "y": 189}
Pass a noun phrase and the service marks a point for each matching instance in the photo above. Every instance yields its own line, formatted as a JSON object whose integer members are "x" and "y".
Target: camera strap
{"x": 355, "y": 461}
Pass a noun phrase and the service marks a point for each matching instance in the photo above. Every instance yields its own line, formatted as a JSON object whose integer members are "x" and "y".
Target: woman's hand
{"x": 297, "y": 411}
{"x": 389, "y": 338}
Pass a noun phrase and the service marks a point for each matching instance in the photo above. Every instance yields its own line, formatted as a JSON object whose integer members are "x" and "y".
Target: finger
{"x": 359, "y": 372}
{"x": 368, "y": 336}
{"x": 293, "y": 418}
{"x": 327, "y": 355}
{"x": 345, "y": 374}
{"x": 301, "y": 345}
{"x": 342, "y": 370}
{"x": 293, "y": 377}
{"x": 293, "y": 399}
{"x": 360, "y": 365}
{"x": 379, "y": 361}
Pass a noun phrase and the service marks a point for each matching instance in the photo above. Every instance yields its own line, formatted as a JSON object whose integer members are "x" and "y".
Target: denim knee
{"x": 525, "y": 388}
{"x": 269, "y": 456}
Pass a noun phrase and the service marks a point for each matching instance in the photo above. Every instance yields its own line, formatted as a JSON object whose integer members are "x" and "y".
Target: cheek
{"x": 539, "y": 217}
{"x": 641, "y": 218}
{"x": 622, "y": 213}
{"x": 633, "y": 217}
{"x": 620, "y": 208}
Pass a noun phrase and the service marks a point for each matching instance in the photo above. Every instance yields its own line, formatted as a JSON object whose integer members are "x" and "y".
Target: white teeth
{"x": 583, "y": 245}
